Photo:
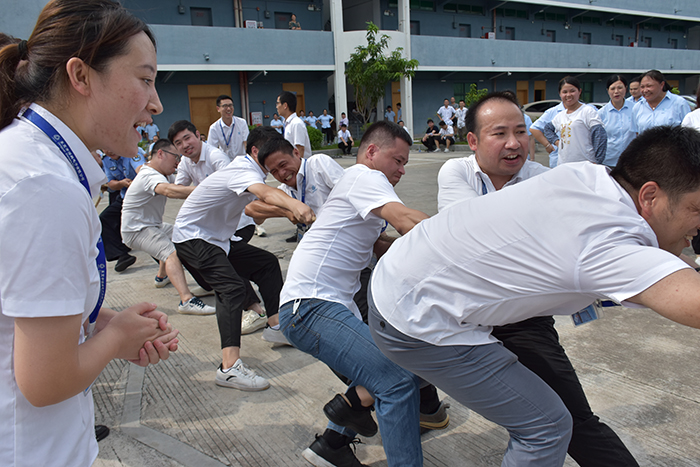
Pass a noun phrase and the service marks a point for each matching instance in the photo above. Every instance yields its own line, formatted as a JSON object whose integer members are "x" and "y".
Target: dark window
{"x": 587, "y": 92}
{"x": 415, "y": 28}
{"x": 539, "y": 95}
{"x": 201, "y": 16}
{"x": 541, "y": 106}
{"x": 424, "y": 5}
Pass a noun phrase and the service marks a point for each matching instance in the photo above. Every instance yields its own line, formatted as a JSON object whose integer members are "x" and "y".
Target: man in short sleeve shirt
{"x": 294, "y": 129}
{"x": 498, "y": 163}
{"x": 229, "y": 133}
{"x": 446, "y": 112}
{"x": 324, "y": 275}
{"x": 202, "y": 237}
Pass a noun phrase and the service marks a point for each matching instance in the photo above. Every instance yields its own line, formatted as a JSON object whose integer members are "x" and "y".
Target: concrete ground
{"x": 640, "y": 371}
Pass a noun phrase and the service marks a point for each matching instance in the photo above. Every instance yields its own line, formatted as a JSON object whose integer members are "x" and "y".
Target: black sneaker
{"x": 321, "y": 454}
{"x": 124, "y": 262}
{"x": 292, "y": 239}
{"x": 101, "y": 432}
{"x": 339, "y": 412}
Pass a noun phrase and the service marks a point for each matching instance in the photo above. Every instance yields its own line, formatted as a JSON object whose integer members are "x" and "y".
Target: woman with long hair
{"x": 83, "y": 80}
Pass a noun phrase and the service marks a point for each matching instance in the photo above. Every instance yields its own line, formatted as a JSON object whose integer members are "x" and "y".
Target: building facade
{"x": 245, "y": 48}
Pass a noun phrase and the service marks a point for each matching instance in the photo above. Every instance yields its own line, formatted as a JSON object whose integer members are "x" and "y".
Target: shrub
{"x": 315, "y": 136}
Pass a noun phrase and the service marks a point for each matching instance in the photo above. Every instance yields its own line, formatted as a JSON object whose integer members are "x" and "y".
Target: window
{"x": 587, "y": 92}
{"x": 423, "y": 5}
{"x": 512, "y": 13}
{"x": 619, "y": 23}
{"x": 201, "y": 16}
{"x": 674, "y": 28}
{"x": 561, "y": 18}
{"x": 415, "y": 28}
{"x": 586, "y": 20}
{"x": 651, "y": 26}
{"x": 463, "y": 9}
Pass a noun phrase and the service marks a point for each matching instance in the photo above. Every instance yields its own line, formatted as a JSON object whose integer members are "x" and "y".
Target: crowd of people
{"x": 439, "y": 309}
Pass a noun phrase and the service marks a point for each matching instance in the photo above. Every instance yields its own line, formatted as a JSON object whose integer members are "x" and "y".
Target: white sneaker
{"x": 436, "y": 150}
{"x": 239, "y": 376}
{"x": 161, "y": 282}
{"x": 447, "y": 150}
{"x": 259, "y": 231}
{"x": 194, "y": 306}
{"x": 252, "y": 322}
{"x": 201, "y": 292}
{"x": 275, "y": 336}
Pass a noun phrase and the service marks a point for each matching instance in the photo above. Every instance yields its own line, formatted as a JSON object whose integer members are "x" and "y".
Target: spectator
{"x": 432, "y": 134}
{"x": 446, "y": 112}
{"x": 293, "y": 23}
{"x": 277, "y": 124}
{"x": 460, "y": 113}
{"x": 326, "y": 122}
{"x": 151, "y": 130}
{"x": 617, "y": 118}
{"x": 389, "y": 114}
{"x": 344, "y": 119}
{"x": 398, "y": 111}
{"x": 635, "y": 90}
{"x": 447, "y": 135}
{"x": 311, "y": 120}
{"x": 660, "y": 106}
{"x": 294, "y": 130}
{"x": 345, "y": 141}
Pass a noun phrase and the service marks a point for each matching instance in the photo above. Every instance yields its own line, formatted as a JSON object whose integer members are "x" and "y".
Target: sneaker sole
{"x": 160, "y": 285}
{"x": 252, "y": 329}
{"x": 315, "y": 459}
{"x": 196, "y": 313}
{"x": 439, "y": 425}
{"x": 241, "y": 388}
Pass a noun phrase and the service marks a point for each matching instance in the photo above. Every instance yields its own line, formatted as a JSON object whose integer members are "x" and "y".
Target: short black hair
{"x": 442, "y": 123}
{"x": 160, "y": 144}
{"x": 222, "y": 97}
{"x": 636, "y": 79}
{"x": 471, "y": 123}
{"x": 382, "y": 133}
{"x": 179, "y": 126}
{"x": 259, "y": 136}
{"x": 669, "y": 156}
{"x": 273, "y": 145}
{"x": 614, "y": 79}
{"x": 290, "y": 99}
{"x": 430, "y": 120}
{"x": 343, "y": 125}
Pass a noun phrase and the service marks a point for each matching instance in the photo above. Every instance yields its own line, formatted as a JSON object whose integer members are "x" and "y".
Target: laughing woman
{"x": 83, "y": 57}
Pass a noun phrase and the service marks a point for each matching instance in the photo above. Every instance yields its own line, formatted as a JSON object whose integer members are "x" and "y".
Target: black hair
{"x": 160, "y": 144}
{"x": 181, "y": 125}
{"x": 657, "y": 76}
{"x": 471, "y": 122}
{"x": 290, "y": 99}
{"x": 669, "y": 156}
{"x": 343, "y": 125}
{"x": 383, "y": 133}
{"x": 569, "y": 80}
{"x": 222, "y": 97}
{"x": 614, "y": 79}
{"x": 258, "y": 137}
{"x": 430, "y": 120}
{"x": 636, "y": 79}
{"x": 442, "y": 123}
{"x": 273, "y": 145}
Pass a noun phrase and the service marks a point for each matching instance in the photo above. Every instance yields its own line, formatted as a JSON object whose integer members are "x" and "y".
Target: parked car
{"x": 535, "y": 109}
{"x": 691, "y": 101}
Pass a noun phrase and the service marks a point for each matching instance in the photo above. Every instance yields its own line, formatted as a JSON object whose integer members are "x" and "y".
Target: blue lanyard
{"x": 233, "y": 126}
{"x": 58, "y": 140}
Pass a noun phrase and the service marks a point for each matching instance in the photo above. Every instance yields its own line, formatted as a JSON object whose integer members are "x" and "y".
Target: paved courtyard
{"x": 640, "y": 371}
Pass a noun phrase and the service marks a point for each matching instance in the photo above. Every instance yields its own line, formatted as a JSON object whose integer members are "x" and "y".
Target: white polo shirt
{"x": 210, "y": 160}
{"x": 327, "y": 262}
{"x": 230, "y": 139}
{"x": 546, "y": 246}
{"x": 212, "y": 211}
{"x": 142, "y": 206}
{"x": 322, "y": 174}
{"x": 462, "y": 178}
{"x": 295, "y": 132}
{"x": 446, "y": 113}
{"x": 48, "y": 246}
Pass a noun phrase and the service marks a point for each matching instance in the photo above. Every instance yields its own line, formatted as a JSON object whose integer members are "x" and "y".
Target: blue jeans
{"x": 331, "y": 333}
{"x": 489, "y": 380}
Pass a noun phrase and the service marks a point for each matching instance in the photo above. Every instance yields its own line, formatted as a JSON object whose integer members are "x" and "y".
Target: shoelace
{"x": 354, "y": 444}
{"x": 197, "y": 302}
{"x": 245, "y": 370}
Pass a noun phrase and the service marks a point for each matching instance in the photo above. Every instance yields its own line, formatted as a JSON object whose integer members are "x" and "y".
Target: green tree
{"x": 473, "y": 95}
{"x": 370, "y": 69}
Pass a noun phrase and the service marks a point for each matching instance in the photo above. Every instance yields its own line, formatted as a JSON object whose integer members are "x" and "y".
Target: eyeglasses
{"x": 177, "y": 156}
{"x": 226, "y": 106}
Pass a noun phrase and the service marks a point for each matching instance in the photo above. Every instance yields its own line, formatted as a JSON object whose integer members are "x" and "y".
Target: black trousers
{"x": 536, "y": 343}
{"x": 345, "y": 147}
{"x": 227, "y": 275}
{"x": 111, "y": 219}
{"x": 430, "y": 142}
{"x": 328, "y": 132}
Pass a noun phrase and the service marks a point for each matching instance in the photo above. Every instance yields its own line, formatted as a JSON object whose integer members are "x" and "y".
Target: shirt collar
{"x": 94, "y": 173}
{"x": 289, "y": 119}
{"x": 518, "y": 177}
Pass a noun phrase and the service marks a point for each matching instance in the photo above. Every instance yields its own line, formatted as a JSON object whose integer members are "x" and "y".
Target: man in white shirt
{"x": 343, "y": 119}
{"x": 389, "y": 114}
{"x": 202, "y": 237}
{"x": 324, "y": 275}
{"x": 446, "y": 112}
{"x": 143, "y": 227}
{"x": 498, "y": 136}
{"x": 460, "y": 113}
{"x": 345, "y": 141}
{"x": 447, "y": 135}
{"x": 200, "y": 161}
{"x": 151, "y": 130}
{"x": 559, "y": 242}
{"x": 229, "y": 133}
{"x": 294, "y": 129}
